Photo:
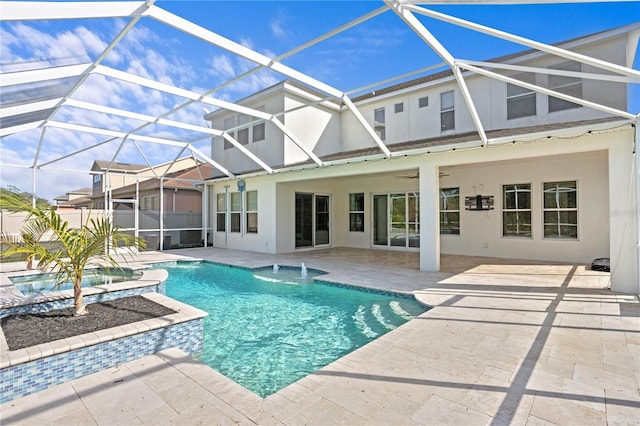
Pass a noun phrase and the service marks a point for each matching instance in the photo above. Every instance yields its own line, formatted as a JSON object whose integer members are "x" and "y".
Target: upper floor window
{"x": 398, "y": 107}
{"x": 379, "y": 123}
{"x": 258, "y": 131}
{"x": 450, "y": 211}
{"x": 561, "y": 210}
{"x": 447, "y": 111}
{"x": 423, "y": 102}
{"x": 229, "y": 123}
{"x": 521, "y": 102}
{"x": 97, "y": 184}
{"x": 356, "y": 212}
{"x": 516, "y": 210}
{"x": 243, "y": 133}
{"x": 568, "y": 85}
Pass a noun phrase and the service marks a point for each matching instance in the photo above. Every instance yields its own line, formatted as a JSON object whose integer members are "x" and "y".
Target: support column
{"x": 205, "y": 212}
{"x": 623, "y": 219}
{"x": 429, "y": 218}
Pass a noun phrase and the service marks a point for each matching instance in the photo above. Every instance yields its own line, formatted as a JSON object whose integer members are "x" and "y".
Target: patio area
{"x": 506, "y": 342}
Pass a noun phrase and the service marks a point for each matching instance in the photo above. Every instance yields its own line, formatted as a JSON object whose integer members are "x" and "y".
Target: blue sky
{"x": 380, "y": 48}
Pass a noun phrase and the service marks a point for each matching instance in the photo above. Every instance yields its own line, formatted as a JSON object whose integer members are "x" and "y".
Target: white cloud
{"x": 277, "y": 26}
{"x": 222, "y": 67}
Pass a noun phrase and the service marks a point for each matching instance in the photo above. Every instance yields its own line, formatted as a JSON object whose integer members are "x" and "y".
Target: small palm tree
{"x": 76, "y": 248}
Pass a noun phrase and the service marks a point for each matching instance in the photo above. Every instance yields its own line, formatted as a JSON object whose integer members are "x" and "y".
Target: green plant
{"x": 94, "y": 242}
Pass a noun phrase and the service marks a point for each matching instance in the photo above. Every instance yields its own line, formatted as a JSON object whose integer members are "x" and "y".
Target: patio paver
{"x": 506, "y": 342}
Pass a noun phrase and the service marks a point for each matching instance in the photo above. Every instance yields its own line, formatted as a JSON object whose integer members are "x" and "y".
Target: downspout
{"x": 227, "y": 222}
{"x": 637, "y": 214}
{"x": 205, "y": 213}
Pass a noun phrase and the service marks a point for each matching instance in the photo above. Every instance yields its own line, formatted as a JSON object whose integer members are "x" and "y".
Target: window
{"x": 150, "y": 203}
{"x": 379, "y": 123}
{"x": 252, "y": 212}
{"x": 356, "y": 212}
{"x": 236, "y": 211}
{"x": 229, "y": 123}
{"x": 516, "y": 210}
{"x": 568, "y": 85}
{"x": 423, "y": 102}
{"x": 561, "y": 210}
{"x": 398, "y": 107}
{"x": 97, "y": 184}
{"x": 243, "y": 134}
{"x": 521, "y": 102}
{"x": 447, "y": 111}
{"x": 450, "y": 211}
{"x": 221, "y": 212}
{"x": 258, "y": 132}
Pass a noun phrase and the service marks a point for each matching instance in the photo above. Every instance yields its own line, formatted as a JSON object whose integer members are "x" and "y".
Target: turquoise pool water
{"x": 266, "y": 330}
{"x": 45, "y": 283}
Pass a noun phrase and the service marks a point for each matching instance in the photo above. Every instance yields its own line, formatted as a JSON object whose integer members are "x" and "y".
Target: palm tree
{"x": 75, "y": 248}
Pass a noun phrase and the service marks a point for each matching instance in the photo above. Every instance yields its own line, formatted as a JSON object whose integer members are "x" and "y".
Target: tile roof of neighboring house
{"x": 182, "y": 179}
{"x": 81, "y": 191}
{"x": 117, "y": 167}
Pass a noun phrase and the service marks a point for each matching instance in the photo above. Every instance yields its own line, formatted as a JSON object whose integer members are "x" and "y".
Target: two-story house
{"x": 518, "y": 173}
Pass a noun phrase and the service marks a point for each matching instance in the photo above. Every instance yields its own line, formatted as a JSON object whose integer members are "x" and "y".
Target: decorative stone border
{"x": 30, "y": 370}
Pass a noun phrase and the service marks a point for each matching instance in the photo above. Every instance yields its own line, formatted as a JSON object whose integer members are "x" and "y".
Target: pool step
{"x": 380, "y": 319}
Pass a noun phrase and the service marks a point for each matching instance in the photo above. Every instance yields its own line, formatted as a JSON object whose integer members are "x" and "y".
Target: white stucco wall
{"x": 316, "y": 127}
{"x": 481, "y": 231}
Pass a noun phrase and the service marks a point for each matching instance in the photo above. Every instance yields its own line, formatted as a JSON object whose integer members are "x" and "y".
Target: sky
{"x": 378, "y": 49}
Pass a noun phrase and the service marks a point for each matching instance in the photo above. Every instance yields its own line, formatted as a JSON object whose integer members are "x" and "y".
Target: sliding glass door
{"x": 312, "y": 220}
{"x": 396, "y": 219}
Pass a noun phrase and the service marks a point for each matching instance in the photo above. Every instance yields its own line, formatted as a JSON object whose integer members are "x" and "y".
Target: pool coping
{"x": 183, "y": 313}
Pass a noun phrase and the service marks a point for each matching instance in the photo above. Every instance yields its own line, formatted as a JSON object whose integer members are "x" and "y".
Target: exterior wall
{"x": 481, "y": 231}
{"x": 263, "y": 241}
{"x": 490, "y": 100}
{"x": 317, "y": 127}
{"x": 270, "y": 150}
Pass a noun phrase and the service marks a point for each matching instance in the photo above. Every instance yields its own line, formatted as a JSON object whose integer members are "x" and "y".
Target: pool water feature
{"x": 45, "y": 283}
{"x": 266, "y": 329}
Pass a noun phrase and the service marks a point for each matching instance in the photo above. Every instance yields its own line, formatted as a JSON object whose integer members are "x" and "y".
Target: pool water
{"x": 265, "y": 334}
{"x": 45, "y": 283}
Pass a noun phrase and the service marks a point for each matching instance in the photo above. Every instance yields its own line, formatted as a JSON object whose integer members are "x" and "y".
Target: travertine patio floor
{"x": 506, "y": 342}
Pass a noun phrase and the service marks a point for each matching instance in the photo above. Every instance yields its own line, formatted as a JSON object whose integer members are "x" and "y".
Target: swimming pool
{"x": 265, "y": 333}
{"x": 45, "y": 283}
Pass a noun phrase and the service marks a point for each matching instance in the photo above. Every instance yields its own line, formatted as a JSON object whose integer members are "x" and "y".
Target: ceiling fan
{"x": 415, "y": 175}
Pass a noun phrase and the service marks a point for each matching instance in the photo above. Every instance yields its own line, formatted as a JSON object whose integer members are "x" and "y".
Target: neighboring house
{"x": 168, "y": 185}
{"x": 78, "y": 198}
{"x": 554, "y": 182}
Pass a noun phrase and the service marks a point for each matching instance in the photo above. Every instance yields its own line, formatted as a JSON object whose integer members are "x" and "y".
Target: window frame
{"x": 221, "y": 212}
{"x": 398, "y": 107}
{"x": 447, "y": 111}
{"x": 559, "y": 211}
{"x": 423, "y": 102}
{"x": 355, "y": 213}
{"x": 522, "y": 95}
{"x": 565, "y": 86}
{"x": 380, "y": 126}
{"x": 250, "y": 211}
{"x": 518, "y": 210}
{"x": 235, "y": 215}
{"x": 227, "y": 124}
{"x": 445, "y": 211}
